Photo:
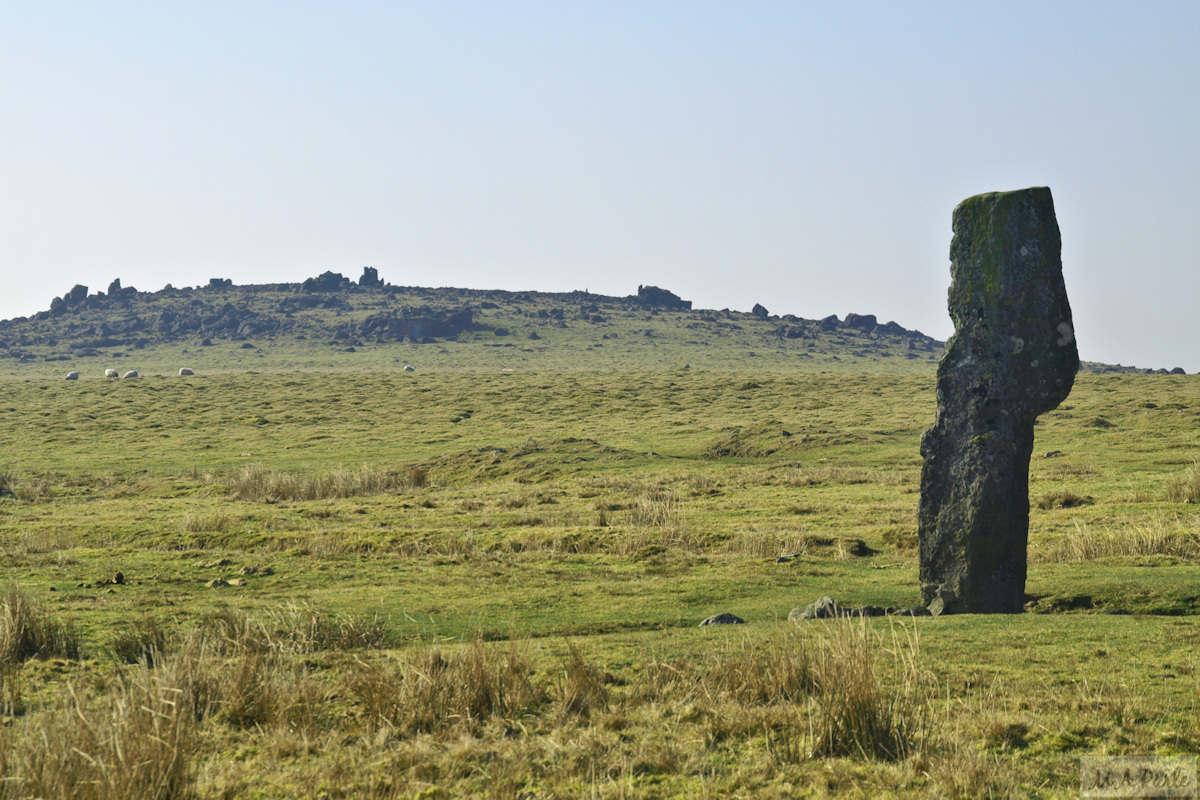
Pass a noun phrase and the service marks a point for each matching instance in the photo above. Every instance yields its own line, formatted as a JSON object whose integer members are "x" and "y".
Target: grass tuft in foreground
{"x": 138, "y": 743}
{"x": 27, "y": 631}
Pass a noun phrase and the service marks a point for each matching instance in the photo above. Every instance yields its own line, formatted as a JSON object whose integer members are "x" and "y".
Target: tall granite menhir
{"x": 1012, "y": 357}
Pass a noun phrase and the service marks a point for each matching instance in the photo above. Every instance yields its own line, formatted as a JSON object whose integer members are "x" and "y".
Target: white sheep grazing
{"x": 131, "y": 374}
{"x": 72, "y": 376}
{"x": 186, "y": 371}
{"x": 409, "y": 368}
{"x": 111, "y": 373}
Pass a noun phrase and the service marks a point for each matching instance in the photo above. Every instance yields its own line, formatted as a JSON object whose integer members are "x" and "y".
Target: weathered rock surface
{"x": 823, "y": 608}
{"x": 827, "y": 608}
{"x": 723, "y": 619}
{"x": 1012, "y": 357}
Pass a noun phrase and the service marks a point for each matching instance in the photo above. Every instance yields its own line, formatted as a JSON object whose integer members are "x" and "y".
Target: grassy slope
{"x": 620, "y": 507}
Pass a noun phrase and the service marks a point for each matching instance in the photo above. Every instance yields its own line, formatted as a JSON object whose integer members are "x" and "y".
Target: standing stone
{"x": 1012, "y": 357}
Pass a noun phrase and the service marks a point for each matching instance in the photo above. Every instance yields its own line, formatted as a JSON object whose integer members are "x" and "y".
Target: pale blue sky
{"x": 802, "y": 155}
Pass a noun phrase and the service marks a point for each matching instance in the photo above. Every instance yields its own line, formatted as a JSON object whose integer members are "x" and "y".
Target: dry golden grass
{"x": 1185, "y": 488}
{"x": 137, "y": 743}
{"x": 1153, "y": 537}
{"x": 28, "y": 631}
{"x": 859, "y": 715}
{"x": 215, "y": 522}
{"x": 257, "y": 484}
{"x": 432, "y": 690}
{"x": 655, "y": 508}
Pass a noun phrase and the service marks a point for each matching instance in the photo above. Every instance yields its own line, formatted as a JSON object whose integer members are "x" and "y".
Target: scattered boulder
{"x": 723, "y": 619}
{"x": 823, "y": 608}
{"x": 133, "y": 373}
{"x": 409, "y": 368}
{"x": 72, "y": 376}
{"x": 654, "y": 296}
{"x": 826, "y": 608}
{"x": 861, "y": 322}
{"x": 111, "y": 373}
{"x": 185, "y": 371}
{"x": 1013, "y": 356}
{"x": 326, "y": 282}
{"x": 255, "y": 570}
{"x": 370, "y": 278}
{"x": 760, "y": 311}
{"x": 217, "y": 583}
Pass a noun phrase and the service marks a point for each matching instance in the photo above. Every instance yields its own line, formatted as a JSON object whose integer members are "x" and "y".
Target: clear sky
{"x": 802, "y": 155}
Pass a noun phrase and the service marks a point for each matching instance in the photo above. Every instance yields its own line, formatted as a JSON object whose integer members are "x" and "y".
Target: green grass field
{"x": 469, "y": 582}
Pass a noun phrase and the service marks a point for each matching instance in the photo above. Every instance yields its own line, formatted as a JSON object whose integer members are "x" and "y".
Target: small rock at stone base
{"x": 824, "y": 608}
{"x": 723, "y": 619}
{"x": 216, "y": 583}
{"x": 901, "y": 611}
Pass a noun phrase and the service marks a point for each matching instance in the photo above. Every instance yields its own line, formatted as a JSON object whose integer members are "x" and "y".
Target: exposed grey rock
{"x": 1012, "y": 357}
{"x": 823, "y": 608}
{"x": 370, "y": 278}
{"x": 863, "y": 322}
{"x": 826, "y": 608}
{"x": 723, "y": 619}
{"x": 904, "y": 611}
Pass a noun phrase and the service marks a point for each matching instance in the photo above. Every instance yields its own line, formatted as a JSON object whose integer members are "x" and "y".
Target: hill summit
{"x": 332, "y": 322}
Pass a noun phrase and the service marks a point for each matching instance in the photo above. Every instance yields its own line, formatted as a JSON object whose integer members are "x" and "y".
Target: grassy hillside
{"x": 465, "y": 581}
{"x": 333, "y": 324}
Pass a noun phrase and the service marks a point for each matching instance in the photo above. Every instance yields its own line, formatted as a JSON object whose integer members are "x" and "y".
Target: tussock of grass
{"x": 1063, "y": 499}
{"x": 655, "y": 508}
{"x": 1185, "y": 488}
{"x": 858, "y": 715}
{"x": 581, "y": 689}
{"x": 294, "y": 629}
{"x": 199, "y": 522}
{"x": 27, "y": 631}
{"x": 431, "y": 689}
{"x": 25, "y": 490}
{"x": 136, "y": 744}
{"x": 1156, "y": 537}
{"x": 142, "y": 641}
{"x": 43, "y": 541}
{"x": 767, "y": 544}
{"x": 257, "y": 484}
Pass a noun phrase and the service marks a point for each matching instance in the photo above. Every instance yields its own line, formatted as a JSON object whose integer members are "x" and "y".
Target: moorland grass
{"x": 533, "y": 551}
